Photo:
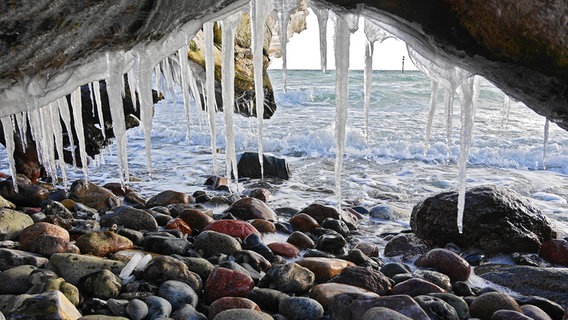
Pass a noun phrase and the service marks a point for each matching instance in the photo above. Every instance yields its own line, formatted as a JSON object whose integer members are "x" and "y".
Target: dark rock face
{"x": 249, "y": 166}
{"x": 496, "y": 220}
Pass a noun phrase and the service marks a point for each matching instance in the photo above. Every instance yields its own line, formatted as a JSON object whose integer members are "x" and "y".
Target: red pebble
{"x": 284, "y": 249}
{"x": 234, "y": 228}
{"x": 223, "y": 282}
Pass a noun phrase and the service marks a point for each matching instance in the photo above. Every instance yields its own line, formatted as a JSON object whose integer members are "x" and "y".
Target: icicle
{"x": 8, "y": 129}
{"x": 184, "y": 74}
{"x": 322, "y": 15}
{"x": 228, "y": 88}
{"x": 48, "y": 142}
{"x": 144, "y": 88}
{"x": 194, "y": 90}
{"x": 283, "y": 7}
{"x": 259, "y": 11}
{"x": 545, "y": 142}
{"x": 58, "y": 135}
{"x": 22, "y": 125}
{"x": 343, "y": 31}
{"x": 66, "y": 116}
{"x": 433, "y": 98}
{"x": 505, "y": 112}
{"x": 118, "y": 120}
{"x": 210, "y": 86}
{"x": 90, "y": 85}
{"x": 158, "y": 75}
{"x": 368, "y": 77}
{"x": 449, "y": 111}
{"x": 167, "y": 72}
{"x": 77, "y": 107}
{"x": 469, "y": 92}
{"x": 131, "y": 76}
{"x": 97, "y": 92}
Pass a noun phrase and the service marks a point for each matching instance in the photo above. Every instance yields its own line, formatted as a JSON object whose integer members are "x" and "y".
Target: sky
{"x": 304, "y": 53}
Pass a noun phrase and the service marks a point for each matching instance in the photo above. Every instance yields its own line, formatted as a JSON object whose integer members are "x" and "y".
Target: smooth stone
{"x": 47, "y": 245}
{"x": 242, "y": 314}
{"x": 81, "y": 227}
{"x": 555, "y": 251}
{"x": 371, "y": 280}
{"x": 301, "y": 240}
{"x": 345, "y": 307}
{"x": 103, "y": 243}
{"x": 6, "y": 204}
{"x": 135, "y": 236}
{"x": 383, "y": 313}
{"x": 137, "y": 309}
{"x": 101, "y": 284}
{"x": 459, "y": 304}
{"x": 324, "y": 268}
{"x": 509, "y": 315}
{"x": 287, "y": 250}
{"x": 437, "y": 278}
{"x": 223, "y": 282}
{"x": 336, "y": 225}
{"x": 321, "y": 212}
{"x": 15, "y": 280}
{"x": 553, "y": 309}
{"x": 163, "y": 268}
{"x": 252, "y": 208}
{"x": 134, "y": 199}
{"x": 263, "y": 226}
{"x": 70, "y": 291}
{"x": 166, "y": 245}
{"x": 179, "y": 224}
{"x": 261, "y": 194}
{"x": 49, "y": 305}
{"x": 254, "y": 243}
{"x": 117, "y": 306}
{"x": 200, "y": 266}
{"x": 28, "y": 195}
{"x": 486, "y": 304}
{"x": 57, "y": 209}
{"x": 446, "y": 262}
{"x": 298, "y": 308}
{"x": 436, "y": 308}
{"x": 12, "y": 223}
{"x": 534, "y": 312}
{"x": 101, "y": 317}
{"x": 158, "y": 307}
{"x": 393, "y": 268}
{"x": 234, "y": 228}
{"x": 407, "y": 245}
{"x": 117, "y": 188}
{"x": 549, "y": 283}
{"x": 31, "y": 233}
{"x": 325, "y": 293}
{"x": 415, "y": 287}
{"x": 227, "y": 303}
{"x": 249, "y": 166}
{"x": 369, "y": 249}
{"x": 288, "y": 278}
{"x": 462, "y": 288}
{"x": 209, "y": 243}
{"x": 332, "y": 243}
{"x": 195, "y": 218}
{"x": 11, "y": 258}
{"x": 359, "y": 258}
{"x": 188, "y": 312}
{"x": 178, "y": 293}
{"x": 388, "y": 212}
{"x": 72, "y": 267}
{"x": 267, "y": 299}
{"x": 303, "y": 222}
{"x": 93, "y": 196}
{"x": 254, "y": 259}
{"x": 131, "y": 218}
{"x": 168, "y": 197}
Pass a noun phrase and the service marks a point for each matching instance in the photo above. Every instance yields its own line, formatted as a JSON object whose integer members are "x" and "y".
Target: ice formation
{"x": 228, "y": 88}
{"x": 283, "y": 7}
{"x": 8, "y": 129}
{"x": 322, "y": 15}
{"x": 259, "y": 11}
{"x": 210, "y": 86}
{"x": 545, "y": 142}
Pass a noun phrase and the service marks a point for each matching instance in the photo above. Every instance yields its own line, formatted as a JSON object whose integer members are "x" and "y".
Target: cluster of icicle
{"x": 173, "y": 69}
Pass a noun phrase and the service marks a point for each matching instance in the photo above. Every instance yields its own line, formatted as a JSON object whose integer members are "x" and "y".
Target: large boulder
{"x": 249, "y": 166}
{"x": 496, "y": 220}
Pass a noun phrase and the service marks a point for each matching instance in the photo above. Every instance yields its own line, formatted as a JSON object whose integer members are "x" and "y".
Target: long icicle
{"x": 283, "y": 7}
{"x": 545, "y": 142}
{"x": 48, "y": 137}
{"x": 63, "y": 106}
{"x": 8, "y": 129}
{"x": 117, "y": 116}
{"x": 368, "y": 77}
{"x": 185, "y": 87}
{"x": 449, "y": 111}
{"x": 259, "y": 11}
{"x": 341, "y": 50}
{"x": 322, "y": 15}
{"x": 22, "y": 125}
{"x": 97, "y": 92}
{"x": 433, "y": 98}
{"x": 77, "y": 108}
{"x": 144, "y": 88}
{"x": 210, "y": 88}
{"x": 467, "y": 102}
{"x": 228, "y": 88}
{"x": 58, "y": 135}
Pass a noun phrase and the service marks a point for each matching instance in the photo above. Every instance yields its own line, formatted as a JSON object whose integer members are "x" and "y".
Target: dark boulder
{"x": 249, "y": 166}
{"x": 496, "y": 220}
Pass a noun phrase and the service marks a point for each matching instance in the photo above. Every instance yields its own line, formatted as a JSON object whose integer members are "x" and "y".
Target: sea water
{"x": 391, "y": 167}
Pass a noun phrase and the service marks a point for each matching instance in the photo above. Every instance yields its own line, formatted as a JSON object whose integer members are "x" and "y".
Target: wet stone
{"x": 252, "y": 208}
{"x": 158, "y": 307}
{"x": 326, "y": 293}
{"x": 163, "y": 268}
{"x": 296, "y": 308}
{"x": 436, "y": 308}
{"x": 212, "y": 242}
{"x": 288, "y": 278}
{"x": 415, "y": 287}
{"x": 168, "y": 197}
{"x": 131, "y": 218}
{"x": 178, "y": 293}
{"x": 336, "y": 225}
{"x": 486, "y": 304}
{"x": 227, "y": 303}
{"x": 103, "y": 244}
{"x": 268, "y": 299}
{"x": 93, "y": 196}
{"x": 301, "y": 240}
{"x": 101, "y": 284}
{"x": 334, "y": 244}
{"x": 446, "y": 262}
{"x": 284, "y": 249}
{"x": 11, "y": 258}
{"x": 263, "y": 226}
{"x": 407, "y": 246}
{"x": 223, "y": 282}
{"x": 303, "y": 222}
{"x": 187, "y": 312}
{"x": 234, "y": 228}
{"x": 12, "y": 223}
{"x": 371, "y": 280}
{"x": 166, "y": 245}
{"x": 15, "y": 280}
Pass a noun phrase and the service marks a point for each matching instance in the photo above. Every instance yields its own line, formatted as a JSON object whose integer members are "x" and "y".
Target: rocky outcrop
{"x": 521, "y": 46}
{"x": 496, "y": 220}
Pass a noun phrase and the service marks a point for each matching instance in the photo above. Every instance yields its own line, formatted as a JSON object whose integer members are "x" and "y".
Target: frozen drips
{"x": 77, "y": 111}
{"x": 283, "y": 8}
{"x": 8, "y": 129}
{"x": 210, "y": 86}
{"x": 322, "y": 15}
